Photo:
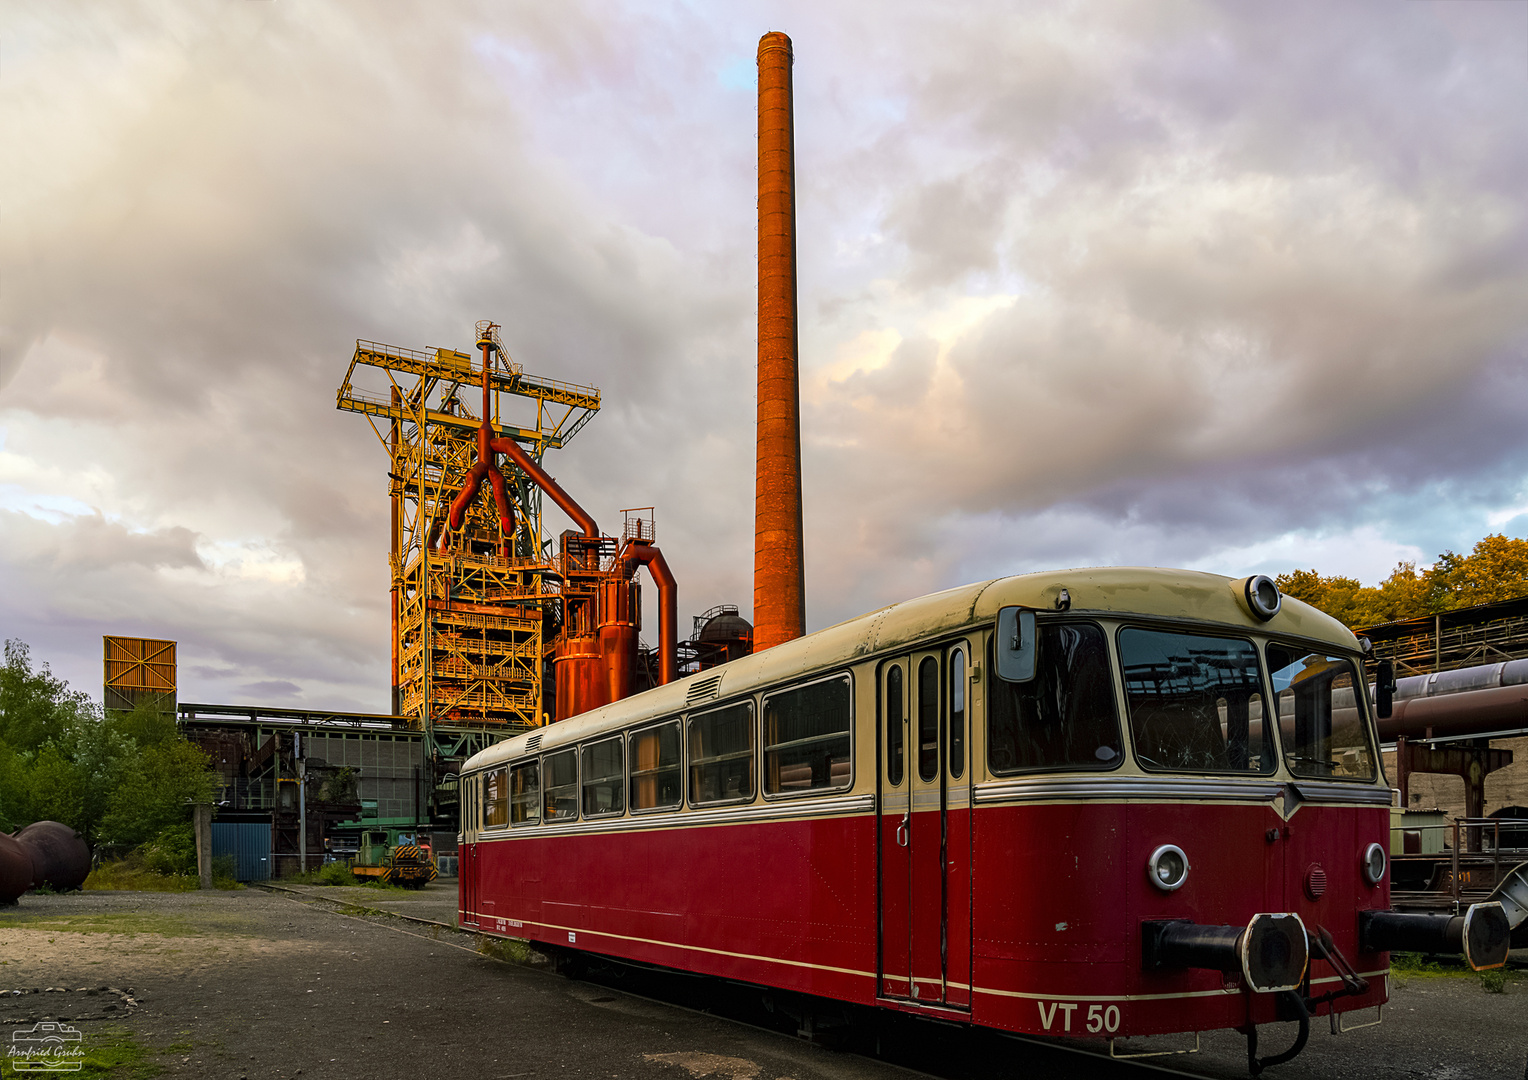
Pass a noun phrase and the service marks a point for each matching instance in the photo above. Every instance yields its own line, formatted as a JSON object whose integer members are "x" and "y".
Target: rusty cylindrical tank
{"x": 580, "y": 674}
{"x": 779, "y": 601}
{"x": 618, "y": 635}
{"x": 16, "y": 869}
{"x": 63, "y": 859}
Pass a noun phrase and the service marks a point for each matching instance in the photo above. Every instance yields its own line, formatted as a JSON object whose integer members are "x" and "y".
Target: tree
{"x": 36, "y": 705}
{"x": 1497, "y": 569}
{"x": 126, "y": 778}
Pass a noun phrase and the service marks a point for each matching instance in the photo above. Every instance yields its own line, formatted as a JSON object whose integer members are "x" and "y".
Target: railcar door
{"x": 927, "y": 856}
{"x": 466, "y": 863}
{"x": 896, "y": 833}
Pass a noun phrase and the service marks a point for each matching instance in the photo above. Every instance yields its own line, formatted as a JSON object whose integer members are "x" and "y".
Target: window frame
{"x": 1107, "y": 628}
{"x": 899, "y": 664}
{"x": 845, "y": 674}
{"x": 1257, "y": 642}
{"x": 1361, "y": 700}
{"x": 955, "y": 757}
{"x": 484, "y": 825}
{"x": 617, "y": 737}
{"x": 935, "y": 710}
{"x": 546, "y": 788}
{"x": 510, "y": 792}
{"x": 753, "y": 753}
{"x": 631, "y": 772}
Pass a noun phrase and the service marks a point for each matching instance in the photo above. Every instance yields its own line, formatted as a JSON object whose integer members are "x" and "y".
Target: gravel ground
{"x": 259, "y": 984}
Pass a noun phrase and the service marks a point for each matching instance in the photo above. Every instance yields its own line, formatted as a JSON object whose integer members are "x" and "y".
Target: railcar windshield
{"x": 1195, "y": 701}
{"x": 1323, "y": 728}
{"x": 1064, "y": 718}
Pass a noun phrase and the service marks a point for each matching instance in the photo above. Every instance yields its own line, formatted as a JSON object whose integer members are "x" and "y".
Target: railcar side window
{"x": 561, "y": 785}
{"x": 895, "y": 718}
{"x": 928, "y": 719}
{"x": 604, "y": 777}
{"x": 1063, "y": 718}
{"x": 1321, "y": 723}
{"x": 806, "y": 737}
{"x": 525, "y": 793}
{"x": 721, "y": 754}
{"x": 957, "y": 713}
{"x": 1195, "y": 701}
{"x": 495, "y": 799}
{"x": 655, "y": 775}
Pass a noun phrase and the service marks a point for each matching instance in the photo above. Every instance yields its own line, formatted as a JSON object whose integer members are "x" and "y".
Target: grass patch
{"x": 113, "y": 1054}
{"x": 334, "y": 873}
{"x": 112, "y": 922}
{"x": 1410, "y": 965}
{"x": 509, "y": 950}
{"x": 1406, "y": 966}
{"x": 127, "y": 875}
{"x": 359, "y": 910}
{"x": 126, "y": 922}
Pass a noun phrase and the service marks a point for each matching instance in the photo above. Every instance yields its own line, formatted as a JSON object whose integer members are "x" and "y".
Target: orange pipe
{"x": 779, "y": 596}
{"x": 635, "y": 553}
{"x": 486, "y": 467}
{"x": 512, "y": 450}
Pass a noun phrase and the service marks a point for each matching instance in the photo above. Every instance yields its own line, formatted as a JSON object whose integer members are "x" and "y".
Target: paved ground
{"x": 255, "y": 984}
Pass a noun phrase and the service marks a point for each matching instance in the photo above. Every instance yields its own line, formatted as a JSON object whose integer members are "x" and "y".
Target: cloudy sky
{"x": 1237, "y": 287}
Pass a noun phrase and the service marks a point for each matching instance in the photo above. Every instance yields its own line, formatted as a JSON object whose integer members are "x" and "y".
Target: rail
{"x": 1462, "y": 858}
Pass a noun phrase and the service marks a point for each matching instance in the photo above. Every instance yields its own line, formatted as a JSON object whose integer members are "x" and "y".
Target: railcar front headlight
{"x": 1263, "y": 596}
{"x": 1374, "y": 863}
{"x": 1168, "y": 867}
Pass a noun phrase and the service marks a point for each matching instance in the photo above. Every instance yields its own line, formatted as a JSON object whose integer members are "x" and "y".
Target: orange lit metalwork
{"x": 484, "y": 613}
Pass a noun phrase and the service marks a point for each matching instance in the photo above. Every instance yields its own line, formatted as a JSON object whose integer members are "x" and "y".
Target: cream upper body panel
{"x": 1118, "y": 591}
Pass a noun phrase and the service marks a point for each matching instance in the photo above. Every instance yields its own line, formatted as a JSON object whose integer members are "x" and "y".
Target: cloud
{"x": 1188, "y": 283}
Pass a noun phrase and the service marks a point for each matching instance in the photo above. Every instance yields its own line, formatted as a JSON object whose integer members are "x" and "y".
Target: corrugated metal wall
{"x": 386, "y": 762}
{"x": 249, "y": 842}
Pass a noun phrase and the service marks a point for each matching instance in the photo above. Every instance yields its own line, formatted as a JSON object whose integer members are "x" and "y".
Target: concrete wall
{"x": 1504, "y": 787}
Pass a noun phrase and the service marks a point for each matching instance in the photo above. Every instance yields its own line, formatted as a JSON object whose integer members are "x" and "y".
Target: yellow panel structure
{"x": 469, "y": 614}
{"x": 139, "y": 671}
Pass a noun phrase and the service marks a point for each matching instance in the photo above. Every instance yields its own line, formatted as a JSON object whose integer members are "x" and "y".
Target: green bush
{"x": 173, "y": 851}
{"x": 1494, "y": 982}
{"x": 335, "y": 873}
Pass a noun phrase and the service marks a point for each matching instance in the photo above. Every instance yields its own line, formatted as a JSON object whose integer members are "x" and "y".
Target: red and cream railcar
{"x": 1100, "y": 802}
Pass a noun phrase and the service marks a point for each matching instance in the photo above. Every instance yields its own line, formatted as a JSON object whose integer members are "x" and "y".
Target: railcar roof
{"x": 1113, "y": 590}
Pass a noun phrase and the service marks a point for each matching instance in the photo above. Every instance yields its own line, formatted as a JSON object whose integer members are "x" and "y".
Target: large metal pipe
{"x": 639, "y": 553}
{"x": 779, "y": 597}
{"x": 486, "y": 467}
{"x": 512, "y": 450}
{"x": 1465, "y": 713}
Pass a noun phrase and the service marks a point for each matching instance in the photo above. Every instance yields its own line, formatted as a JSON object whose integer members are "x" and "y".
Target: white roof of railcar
{"x": 1118, "y": 590}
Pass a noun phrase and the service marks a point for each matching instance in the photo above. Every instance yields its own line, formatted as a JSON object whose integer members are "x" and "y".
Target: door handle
{"x": 902, "y": 829}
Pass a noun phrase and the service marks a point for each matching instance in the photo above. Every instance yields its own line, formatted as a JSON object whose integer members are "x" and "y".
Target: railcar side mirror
{"x": 1017, "y": 645}
{"x": 1384, "y": 688}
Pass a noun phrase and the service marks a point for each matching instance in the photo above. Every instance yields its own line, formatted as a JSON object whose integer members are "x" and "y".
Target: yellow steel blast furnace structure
{"x": 469, "y": 596}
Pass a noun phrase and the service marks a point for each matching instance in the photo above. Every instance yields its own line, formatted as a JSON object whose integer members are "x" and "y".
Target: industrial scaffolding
{"x": 470, "y": 607}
